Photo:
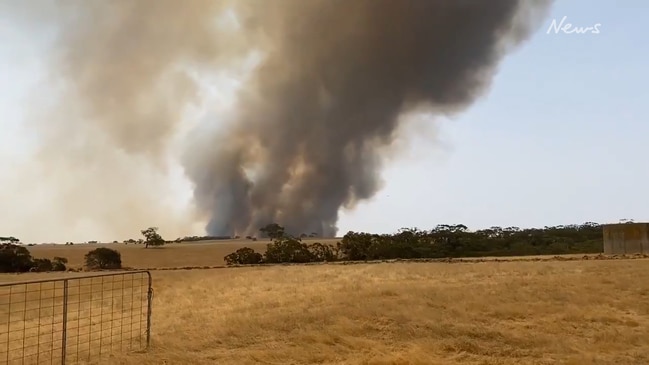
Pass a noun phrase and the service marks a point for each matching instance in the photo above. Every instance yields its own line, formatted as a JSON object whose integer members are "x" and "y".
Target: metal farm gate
{"x": 64, "y": 321}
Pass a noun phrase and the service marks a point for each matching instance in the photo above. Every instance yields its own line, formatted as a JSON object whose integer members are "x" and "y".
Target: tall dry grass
{"x": 103, "y": 315}
{"x": 574, "y": 312}
{"x": 485, "y": 313}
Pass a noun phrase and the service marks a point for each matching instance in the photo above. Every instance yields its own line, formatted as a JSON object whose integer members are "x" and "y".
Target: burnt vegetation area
{"x": 443, "y": 241}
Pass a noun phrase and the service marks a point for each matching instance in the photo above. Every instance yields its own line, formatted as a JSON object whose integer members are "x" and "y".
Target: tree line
{"x": 443, "y": 241}
{"x": 17, "y": 259}
{"x": 202, "y": 238}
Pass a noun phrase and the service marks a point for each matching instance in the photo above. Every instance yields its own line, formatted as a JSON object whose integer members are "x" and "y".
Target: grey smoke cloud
{"x": 314, "y": 119}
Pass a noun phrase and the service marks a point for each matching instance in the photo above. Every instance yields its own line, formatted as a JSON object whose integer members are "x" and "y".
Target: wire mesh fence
{"x": 75, "y": 319}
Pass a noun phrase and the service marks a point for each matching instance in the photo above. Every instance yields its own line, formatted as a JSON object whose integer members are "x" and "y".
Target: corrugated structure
{"x": 626, "y": 238}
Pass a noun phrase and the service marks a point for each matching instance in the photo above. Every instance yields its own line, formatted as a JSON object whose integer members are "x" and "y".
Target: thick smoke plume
{"x": 314, "y": 117}
{"x": 327, "y": 96}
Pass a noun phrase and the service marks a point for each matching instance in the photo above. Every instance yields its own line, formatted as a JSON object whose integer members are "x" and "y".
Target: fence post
{"x": 149, "y": 305}
{"x": 64, "y": 335}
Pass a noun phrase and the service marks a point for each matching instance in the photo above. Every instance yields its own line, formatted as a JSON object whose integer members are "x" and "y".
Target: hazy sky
{"x": 559, "y": 139}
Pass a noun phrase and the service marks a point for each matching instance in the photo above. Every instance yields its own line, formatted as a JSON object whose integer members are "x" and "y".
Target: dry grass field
{"x": 205, "y": 253}
{"x": 556, "y": 312}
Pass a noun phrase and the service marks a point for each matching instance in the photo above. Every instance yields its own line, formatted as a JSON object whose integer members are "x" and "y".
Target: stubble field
{"x": 549, "y": 312}
{"x": 195, "y": 254}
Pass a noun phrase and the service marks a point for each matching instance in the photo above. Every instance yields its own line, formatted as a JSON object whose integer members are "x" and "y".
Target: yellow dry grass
{"x": 560, "y": 312}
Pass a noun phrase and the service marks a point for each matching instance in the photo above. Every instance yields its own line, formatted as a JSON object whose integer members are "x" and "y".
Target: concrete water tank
{"x": 626, "y": 238}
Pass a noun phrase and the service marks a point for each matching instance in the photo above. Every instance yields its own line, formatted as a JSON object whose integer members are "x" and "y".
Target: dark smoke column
{"x": 324, "y": 102}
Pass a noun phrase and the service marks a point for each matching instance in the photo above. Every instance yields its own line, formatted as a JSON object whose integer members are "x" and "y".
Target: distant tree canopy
{"x": 272, "y": 231}
{"x": 10, "y": 239}
{"x": 152, "y": 237}
{"x": 445, "y": 240}
{"x": 201, "y": 238}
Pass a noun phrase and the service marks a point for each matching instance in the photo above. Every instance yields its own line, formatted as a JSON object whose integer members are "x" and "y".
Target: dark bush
{"x": 103, "y": 258}
{"x": 244, "y": 256}
{"x": 41, "y": 265}
{"x": 59, "y": 264}
{"x": 355, "y": 246}
{"x": 202, "y": 238}
{"x": 322, "y": 252}
{"x": 287, "y": 249}
{"x": 14, "y": 258}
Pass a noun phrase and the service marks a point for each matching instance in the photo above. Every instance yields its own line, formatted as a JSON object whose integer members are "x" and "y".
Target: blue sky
{"x": 560, "y": 138}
